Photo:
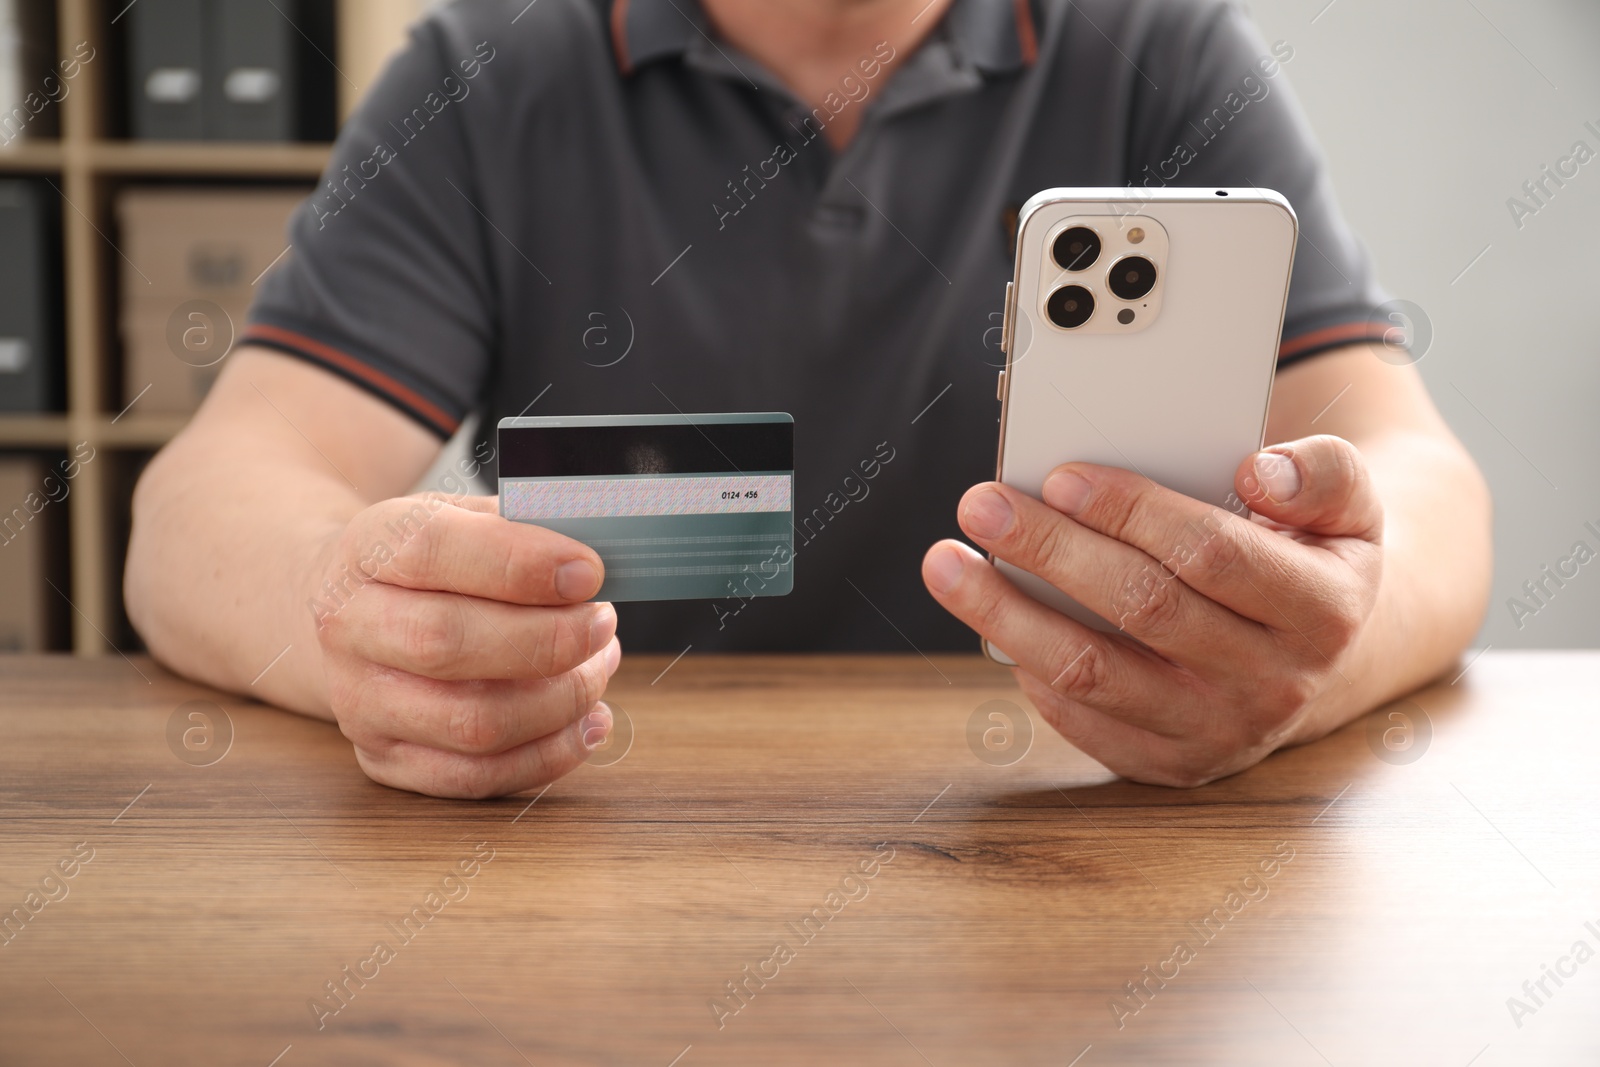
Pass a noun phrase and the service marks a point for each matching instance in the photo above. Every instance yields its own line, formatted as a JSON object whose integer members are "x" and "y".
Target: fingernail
{"x": 596, "y": 725}
{"x": 603, "y": 625}
{"x": 576, "y": 579}
{"x": 1279, "y": 475}
{"x": 988, "y": 515}
{"x": 1066, "y": 492}
{"x": 944, "y": 568}
{"x": 613, "y": 657}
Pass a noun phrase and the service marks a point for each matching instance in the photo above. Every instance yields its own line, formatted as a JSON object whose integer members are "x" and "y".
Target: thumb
{"x": 1317, "y": 484}
{"x": 489, "y": 505}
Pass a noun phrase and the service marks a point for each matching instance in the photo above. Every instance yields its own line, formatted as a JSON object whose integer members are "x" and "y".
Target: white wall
{"x": 1433, "y": 113}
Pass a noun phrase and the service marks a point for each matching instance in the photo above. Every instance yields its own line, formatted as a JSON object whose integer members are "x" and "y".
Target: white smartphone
{"x": 1141, "y": 331}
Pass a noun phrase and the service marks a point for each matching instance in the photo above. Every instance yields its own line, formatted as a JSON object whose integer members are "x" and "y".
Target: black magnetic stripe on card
{"x": 677, "y": 448}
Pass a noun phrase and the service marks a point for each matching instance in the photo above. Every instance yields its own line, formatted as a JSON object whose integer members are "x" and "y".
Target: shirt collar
{"x": 997, "y": 36}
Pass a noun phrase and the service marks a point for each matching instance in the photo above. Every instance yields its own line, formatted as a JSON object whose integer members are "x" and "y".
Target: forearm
{"x": 229, "y": 542}
{"x": 1436, "y": 524}
{"x": 1436, "y": 571}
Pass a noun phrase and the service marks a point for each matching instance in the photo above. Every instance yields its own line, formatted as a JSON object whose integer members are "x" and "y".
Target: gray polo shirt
{"x": 587, "y": 206}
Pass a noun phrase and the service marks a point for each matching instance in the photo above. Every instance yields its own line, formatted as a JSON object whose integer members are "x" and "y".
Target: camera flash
{"x": 1135, "y": 235}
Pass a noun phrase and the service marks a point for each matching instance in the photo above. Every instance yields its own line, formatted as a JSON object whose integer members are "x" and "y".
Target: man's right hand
{"x": 461, "y": 659}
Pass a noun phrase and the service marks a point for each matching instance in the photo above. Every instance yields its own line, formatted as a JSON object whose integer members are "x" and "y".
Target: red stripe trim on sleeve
{"x": 619, "y": 35}
{"x": 1027, "y": 39}
{"x": 350, "y": 365}
{"x": 1348, "y": 332}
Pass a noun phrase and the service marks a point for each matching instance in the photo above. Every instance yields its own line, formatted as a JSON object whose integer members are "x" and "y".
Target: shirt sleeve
{"x": 1236, "y": 124}
{"x": 388, "y": 284}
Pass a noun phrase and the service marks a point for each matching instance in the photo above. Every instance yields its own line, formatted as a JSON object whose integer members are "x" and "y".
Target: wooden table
{"x": 823, "y": 834}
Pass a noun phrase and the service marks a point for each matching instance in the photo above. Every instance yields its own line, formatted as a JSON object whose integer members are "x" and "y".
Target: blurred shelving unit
{"x": 85, "y": 165}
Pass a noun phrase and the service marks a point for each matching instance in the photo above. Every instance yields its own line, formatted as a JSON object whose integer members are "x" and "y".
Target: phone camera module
{"x": 1070, "y": 306}
{"x": 1132, "y": 277}
{"x": 1076, "y": 249}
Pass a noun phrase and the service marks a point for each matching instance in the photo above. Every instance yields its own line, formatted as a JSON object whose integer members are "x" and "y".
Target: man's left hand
{"x": 1241, "y": 624}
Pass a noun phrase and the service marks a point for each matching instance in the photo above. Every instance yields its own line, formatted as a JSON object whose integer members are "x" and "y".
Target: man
{"x": 799, "y": 205}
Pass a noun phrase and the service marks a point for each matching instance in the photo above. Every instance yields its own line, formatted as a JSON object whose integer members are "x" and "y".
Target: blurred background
{"x": 1433, "y": 113}
{"x": 150, "y": 153}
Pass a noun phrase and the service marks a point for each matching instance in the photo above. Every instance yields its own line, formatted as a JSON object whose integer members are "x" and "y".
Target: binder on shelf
{"x": 232, "y": 70}
{"x": 252, "y": 95}
{"x": 13, "y": 116}
{"x": 30, "y": 298}
{"x": 166, "y": 51}
{"x": 28, "y": 89}
{"x": 194, "y": 255}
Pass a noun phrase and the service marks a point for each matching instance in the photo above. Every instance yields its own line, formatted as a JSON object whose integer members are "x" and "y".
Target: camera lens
{"x": 1070, "y": 306}
{"x": 1132, "y": 277}
{"x": 1077, "y": 248}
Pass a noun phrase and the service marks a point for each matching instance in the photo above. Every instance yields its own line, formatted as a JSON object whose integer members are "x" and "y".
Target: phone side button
{"x": 1000, "y": 386}
{"x": 1005, "y": 319}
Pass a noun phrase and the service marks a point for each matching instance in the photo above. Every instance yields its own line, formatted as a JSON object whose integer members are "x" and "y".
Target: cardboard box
{"x": 174, "y": 384}
{"x": 28, "y": 519}
{"x": 193, "y": 257}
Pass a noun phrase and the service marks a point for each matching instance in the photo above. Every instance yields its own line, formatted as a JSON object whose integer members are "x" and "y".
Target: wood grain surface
{"x": 821, "y": 835}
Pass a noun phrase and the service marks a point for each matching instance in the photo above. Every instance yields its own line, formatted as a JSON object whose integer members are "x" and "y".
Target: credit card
{"x": 678, "y": 507}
